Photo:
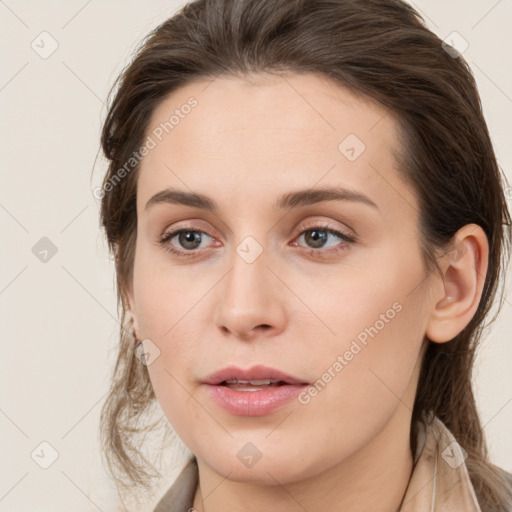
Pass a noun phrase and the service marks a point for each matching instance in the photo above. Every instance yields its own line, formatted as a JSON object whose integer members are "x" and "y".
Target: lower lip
{"x": 254, "y": 403}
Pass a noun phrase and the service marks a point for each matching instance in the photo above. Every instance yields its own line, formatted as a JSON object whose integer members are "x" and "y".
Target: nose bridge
{"x": 246, "y": 282}
{"x": 249, "y": 247}
{"x": 247, "y": 298}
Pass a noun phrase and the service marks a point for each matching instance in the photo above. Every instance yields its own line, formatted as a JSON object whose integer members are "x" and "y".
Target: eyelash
{"x": 166, "y": 237}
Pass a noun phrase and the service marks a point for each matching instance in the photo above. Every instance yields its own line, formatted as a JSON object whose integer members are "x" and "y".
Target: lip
{"x": 258, "y": 372}
{"x": 253, "y": 403}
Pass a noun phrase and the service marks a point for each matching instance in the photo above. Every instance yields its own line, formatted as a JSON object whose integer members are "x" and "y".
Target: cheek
{"x": 166, "y": 297}
{"x": 366, "y": 361}
{"x": 360, "y": 385}
{"x": 165, "y": 316}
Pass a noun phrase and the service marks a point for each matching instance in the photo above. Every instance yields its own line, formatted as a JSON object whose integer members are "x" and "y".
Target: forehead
{"x": 308, "y": 105}
{"x": 267, "y": 129}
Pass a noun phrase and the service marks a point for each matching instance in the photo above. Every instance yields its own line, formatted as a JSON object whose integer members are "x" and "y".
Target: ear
{"x": 464, "y": 269}
{"x": 133, "y": 314}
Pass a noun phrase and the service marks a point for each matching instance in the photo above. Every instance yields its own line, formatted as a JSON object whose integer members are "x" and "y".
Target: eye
{"x": 317, "y": 236}
{"x": 190, "y": 239}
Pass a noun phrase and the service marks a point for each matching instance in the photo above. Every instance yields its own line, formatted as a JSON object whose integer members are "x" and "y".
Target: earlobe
{"x": 133, "y": 315}
{"x": 464, "y": 269}
{"x": 136, "y": 330}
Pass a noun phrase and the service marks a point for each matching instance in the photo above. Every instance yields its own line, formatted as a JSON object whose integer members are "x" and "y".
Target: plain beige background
{"x": 59, "y": 319}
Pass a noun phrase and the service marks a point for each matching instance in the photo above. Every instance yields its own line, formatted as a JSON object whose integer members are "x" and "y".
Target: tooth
{"x": 263, "y": 382}
{"x": 260, "y": 382}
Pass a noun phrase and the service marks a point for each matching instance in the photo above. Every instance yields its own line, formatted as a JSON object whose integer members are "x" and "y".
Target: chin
{"x": 272, "y": 469}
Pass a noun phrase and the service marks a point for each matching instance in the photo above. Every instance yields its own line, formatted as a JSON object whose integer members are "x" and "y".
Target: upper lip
{"x": 259, "y": 372}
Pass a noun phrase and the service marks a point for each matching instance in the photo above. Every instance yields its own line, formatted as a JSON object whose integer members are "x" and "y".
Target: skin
{"x": 247, "y": 142}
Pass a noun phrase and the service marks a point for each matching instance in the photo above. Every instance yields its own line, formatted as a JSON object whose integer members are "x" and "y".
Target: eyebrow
{"x": 294, "y": 199}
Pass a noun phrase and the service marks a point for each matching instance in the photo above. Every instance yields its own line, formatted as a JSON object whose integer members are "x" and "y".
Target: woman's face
{"x": 262, "y": 280}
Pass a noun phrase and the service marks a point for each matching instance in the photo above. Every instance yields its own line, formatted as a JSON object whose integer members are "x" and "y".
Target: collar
{"x": 439, "y": 479}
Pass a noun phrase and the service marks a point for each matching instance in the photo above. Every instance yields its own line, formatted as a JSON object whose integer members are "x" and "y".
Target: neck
{"x": 373, "y": 478}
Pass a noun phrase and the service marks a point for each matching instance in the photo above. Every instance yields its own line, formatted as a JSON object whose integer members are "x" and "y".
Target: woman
{"x": 309, "y": 228}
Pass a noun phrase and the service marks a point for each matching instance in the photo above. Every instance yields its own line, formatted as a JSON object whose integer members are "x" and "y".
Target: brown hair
{"x": 382, "y": 50}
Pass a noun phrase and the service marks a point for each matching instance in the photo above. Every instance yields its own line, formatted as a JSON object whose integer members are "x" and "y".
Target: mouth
{"x": 254, "y": 378}
{"x": 258, "y": 391}
{"x": 252, "y": 385}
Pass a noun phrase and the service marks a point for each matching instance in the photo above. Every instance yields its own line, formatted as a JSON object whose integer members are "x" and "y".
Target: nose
{"x": 251, "y": 300}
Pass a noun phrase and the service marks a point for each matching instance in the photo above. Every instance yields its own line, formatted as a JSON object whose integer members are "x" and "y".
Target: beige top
{"x": 439, "y": 480}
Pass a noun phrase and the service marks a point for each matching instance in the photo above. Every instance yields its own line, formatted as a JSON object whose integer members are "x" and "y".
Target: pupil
{"x": 318, "y": 237}
{"x": 191, "y": 237}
